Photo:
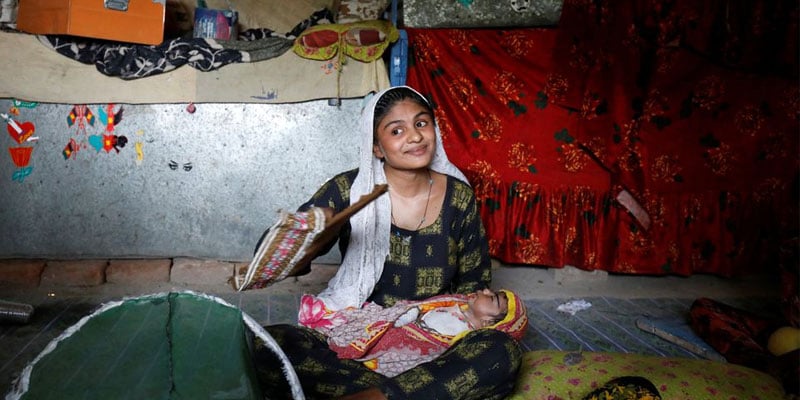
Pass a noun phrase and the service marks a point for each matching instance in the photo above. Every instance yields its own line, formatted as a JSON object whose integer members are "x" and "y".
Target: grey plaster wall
{"x": 206, "y": 184}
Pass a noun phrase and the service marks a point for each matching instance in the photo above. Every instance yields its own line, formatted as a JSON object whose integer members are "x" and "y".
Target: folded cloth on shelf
{"x": 132, "y": 61}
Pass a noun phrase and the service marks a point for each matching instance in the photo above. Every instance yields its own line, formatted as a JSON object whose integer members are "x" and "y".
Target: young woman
{"x": 423, "y": 238}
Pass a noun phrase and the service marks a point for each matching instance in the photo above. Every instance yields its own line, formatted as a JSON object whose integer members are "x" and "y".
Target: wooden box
{"x": 134, "y": 21}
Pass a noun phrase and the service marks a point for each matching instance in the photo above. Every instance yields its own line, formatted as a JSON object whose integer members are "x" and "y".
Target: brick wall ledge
{"x": 95, "y": 272}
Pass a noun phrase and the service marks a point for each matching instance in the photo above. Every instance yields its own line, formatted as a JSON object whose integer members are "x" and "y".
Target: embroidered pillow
{"x": 285, "y": 246}
{"x": 364, "y": 41}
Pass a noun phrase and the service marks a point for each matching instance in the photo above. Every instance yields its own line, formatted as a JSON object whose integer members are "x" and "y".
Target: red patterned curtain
{"x": 706, "y": 140}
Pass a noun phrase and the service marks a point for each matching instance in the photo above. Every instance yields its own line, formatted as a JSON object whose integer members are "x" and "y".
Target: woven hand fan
{"x": 293, "y": 241}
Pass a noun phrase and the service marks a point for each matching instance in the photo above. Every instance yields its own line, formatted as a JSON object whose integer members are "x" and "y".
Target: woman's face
{"x": 406, "y": 137}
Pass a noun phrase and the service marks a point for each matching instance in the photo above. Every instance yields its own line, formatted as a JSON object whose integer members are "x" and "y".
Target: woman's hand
{"x": 329, "y": 212}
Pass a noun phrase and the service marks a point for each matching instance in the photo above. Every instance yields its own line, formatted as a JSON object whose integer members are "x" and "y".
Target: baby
{"x": 480, "y": 310}
{"x": 394, "y": 339}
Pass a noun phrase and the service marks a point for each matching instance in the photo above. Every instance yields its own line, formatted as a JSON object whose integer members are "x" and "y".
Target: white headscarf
{"x": 369, "y": 240}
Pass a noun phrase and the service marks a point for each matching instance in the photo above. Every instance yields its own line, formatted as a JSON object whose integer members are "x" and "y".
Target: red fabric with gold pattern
{"x": 708, "y": 148}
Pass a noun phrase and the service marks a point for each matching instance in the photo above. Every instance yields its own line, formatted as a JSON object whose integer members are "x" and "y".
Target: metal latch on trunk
{"x": 119, "y": 5}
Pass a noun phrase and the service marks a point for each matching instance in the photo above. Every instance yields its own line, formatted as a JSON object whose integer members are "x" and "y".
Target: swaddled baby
{"x": 394, "y": 339}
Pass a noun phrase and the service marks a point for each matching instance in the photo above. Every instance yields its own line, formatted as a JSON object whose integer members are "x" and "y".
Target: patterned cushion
{"x": 552, "y": 375}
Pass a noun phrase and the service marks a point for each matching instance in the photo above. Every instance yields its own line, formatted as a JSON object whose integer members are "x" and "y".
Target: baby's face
{"x": 488, "y": 305}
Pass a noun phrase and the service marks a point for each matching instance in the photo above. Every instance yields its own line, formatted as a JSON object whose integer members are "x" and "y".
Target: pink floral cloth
{"x": 388, "y": 340}
{"x": 394, "y": 339}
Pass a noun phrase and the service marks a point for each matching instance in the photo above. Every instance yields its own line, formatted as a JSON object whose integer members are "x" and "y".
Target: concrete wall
{"x": 205, "y": 184}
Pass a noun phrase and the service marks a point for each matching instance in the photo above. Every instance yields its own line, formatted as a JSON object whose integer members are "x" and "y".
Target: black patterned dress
{"x": 448, "y": 256}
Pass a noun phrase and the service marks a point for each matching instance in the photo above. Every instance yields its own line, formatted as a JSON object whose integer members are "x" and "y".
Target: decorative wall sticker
{"x": 78, "y": 117}
{"x": 96, "y": 141}
{"x": 16, "y": 104}
{"x": 173, "y": 165}
{"x": 139, "y": 152}
{"x": 24, "y": 104}
{"x": 70, "y": 149}
{"x": 78, "y": 114}
{"x": 107, "y": 142}
{"x": 139, "y": 146}
{"x": 21, "y": 156}
{"x": 20, "y": 132}
{"x": 20, "y": 174}
{"x": 114, "y": 142}
{"x": 109, "y": 117}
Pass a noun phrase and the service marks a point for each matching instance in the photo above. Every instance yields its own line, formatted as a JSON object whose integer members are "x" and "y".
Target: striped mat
{"x": 608, "y": 325}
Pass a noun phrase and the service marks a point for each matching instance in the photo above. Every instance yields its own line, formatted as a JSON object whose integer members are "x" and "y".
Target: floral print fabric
{"x": 557, "y": 375}
{"x": 706, "y": 144}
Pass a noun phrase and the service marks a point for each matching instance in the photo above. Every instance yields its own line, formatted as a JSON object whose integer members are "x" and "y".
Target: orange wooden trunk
{"x": 142, "y": 22}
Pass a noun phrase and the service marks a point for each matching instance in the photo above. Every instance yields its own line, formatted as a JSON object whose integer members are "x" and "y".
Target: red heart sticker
{"x": 20, "y": 132}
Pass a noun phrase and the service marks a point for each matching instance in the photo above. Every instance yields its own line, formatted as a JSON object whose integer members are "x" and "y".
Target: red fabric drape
{"x": 709, "y": 150}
